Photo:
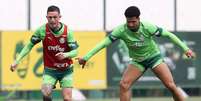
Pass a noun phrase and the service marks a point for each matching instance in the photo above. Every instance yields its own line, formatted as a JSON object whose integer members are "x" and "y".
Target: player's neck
{"x": 134, "y": 30}
{"x": 58, "y": 28}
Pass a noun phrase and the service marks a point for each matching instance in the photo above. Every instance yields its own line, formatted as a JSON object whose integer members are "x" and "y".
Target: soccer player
{"x": 143, "y": 51}
{"x": 59, "y": 47}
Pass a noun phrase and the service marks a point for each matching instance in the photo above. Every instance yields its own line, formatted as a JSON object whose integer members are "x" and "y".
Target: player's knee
{"x": 170, "y": 85}
{"x": 46, "y": 91}
{"x": 68, "y": 99}
{"x": 124, "y": 85}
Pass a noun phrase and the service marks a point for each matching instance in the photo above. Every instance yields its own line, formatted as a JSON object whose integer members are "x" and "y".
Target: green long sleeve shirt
{"x": 140, "y": 44}
{"x": 39, "y": 35}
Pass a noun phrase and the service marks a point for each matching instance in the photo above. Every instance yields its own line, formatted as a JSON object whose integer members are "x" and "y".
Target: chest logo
{"x": 62, "y": 40}
{"x": 141, "y": 37}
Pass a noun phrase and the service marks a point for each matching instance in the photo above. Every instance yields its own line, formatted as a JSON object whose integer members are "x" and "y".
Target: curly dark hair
{"x": 132, "y": 11}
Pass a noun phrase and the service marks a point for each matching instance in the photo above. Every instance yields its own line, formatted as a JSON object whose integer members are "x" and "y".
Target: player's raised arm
{"x": 23, "y": 53}
{"x": 188, "y": 52}
{"x": 34, "y": 40}
{"x": 104, "y": 43}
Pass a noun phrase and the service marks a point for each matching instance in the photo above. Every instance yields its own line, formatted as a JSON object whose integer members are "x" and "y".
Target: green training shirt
{"x": 140, "y": 44}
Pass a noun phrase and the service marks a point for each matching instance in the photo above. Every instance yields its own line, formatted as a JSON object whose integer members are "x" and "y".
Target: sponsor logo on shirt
{"x": 138, "y": 44}
{"x": 141, "y": 37}
{"x": 56, "y": 48}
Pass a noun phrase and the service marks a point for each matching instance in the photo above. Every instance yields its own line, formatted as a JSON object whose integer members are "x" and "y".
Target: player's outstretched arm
{"x": 176, "y": 40}
{"x": 81, "y": 61}
{"x": 23, "y": 53}
{"x": 104, "y": 43}
{"x": 190, "y": 54}
{"x": 13, "y": 66}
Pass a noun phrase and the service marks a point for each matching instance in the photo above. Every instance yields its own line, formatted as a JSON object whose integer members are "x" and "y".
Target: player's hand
{"x": 13, "y": 66}
{"x": 81, "y": 61}
{"x": 190, "y": 54}
{"x": 60, "y": 56}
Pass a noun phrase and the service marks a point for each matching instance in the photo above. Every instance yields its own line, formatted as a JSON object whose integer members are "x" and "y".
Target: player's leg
{"x": 130, "y": 75}
{"x": 67, "y": 94}
{"x": 163, "y": 73}
{"x": 66, "y": 84}
{"x": 46, "y": 91}
{"x": 48, "y": 84}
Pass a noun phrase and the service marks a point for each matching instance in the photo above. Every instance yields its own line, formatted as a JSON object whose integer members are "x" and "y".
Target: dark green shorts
{"x": 151, "y": 62}
{"x": 65, "y": 78}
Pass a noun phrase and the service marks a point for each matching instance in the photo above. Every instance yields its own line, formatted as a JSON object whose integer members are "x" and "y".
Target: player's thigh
{"x": 67, "y": 80}
{"x": 131, "y": 74}
{"x": 49, "y": 78}
{"x": 163, "y": 73}
{"x": 48, "y": 83}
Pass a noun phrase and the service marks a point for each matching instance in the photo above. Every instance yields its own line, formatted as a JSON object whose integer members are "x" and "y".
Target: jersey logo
{"x": 62, "y": 40}
{"x": 141, "y": 37}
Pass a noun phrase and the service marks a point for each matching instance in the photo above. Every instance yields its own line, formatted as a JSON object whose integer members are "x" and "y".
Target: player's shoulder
{"x": 69, "y": 30}
{"x": 147, "y": 24}
{"x": 120, "y": 28}
{"x": 41, "y": 28}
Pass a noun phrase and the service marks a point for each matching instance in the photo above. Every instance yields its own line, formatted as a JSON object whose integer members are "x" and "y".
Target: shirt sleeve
{"x": 71, "y": 40}
{"x": 153, "y": 29}
{"x": 115, "y": 34}
{"x": 158, "y": 31}
{"x": 104, "y": 43}
{"x": 24, "y": 51}
{"x": 38, "y": 35}
{"x": 175, "y": 39}
{"x": 35, "y": 38}
{"x": 72, "y": 44}
{"x": 112, "y": 37}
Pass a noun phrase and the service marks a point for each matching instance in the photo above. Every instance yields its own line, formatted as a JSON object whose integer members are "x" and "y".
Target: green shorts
{"x": 65, "y": 78}
{"x": 151, "y": 62}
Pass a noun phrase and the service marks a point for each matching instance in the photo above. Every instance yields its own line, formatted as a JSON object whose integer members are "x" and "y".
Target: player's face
{"x": 133, "y": 23}
{"x": 53, "y": 19}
